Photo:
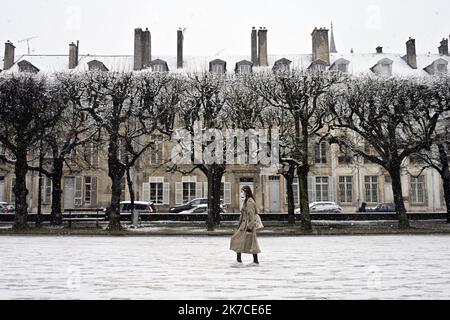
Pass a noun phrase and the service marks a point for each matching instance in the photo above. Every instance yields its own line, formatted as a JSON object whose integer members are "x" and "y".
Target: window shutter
{"x": 78, "y": 199}
{"x": 198, "y": 189}
{"x": 146, "y": 191}
{"x": 312, "y": 189}
{"x": 332, "y": 188}
{"x": 94, "y": 192}
{"x": 166, "y": 193}
{"x": 227, "y": 191}
{"x": 205, "y": 189}
{"x": 178, "y": 193}
{"x": 12, "y": 194}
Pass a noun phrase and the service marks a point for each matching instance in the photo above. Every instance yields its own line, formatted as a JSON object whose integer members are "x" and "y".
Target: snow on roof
{"x": 45, "y": 63}
{"x": 360, "y": 63}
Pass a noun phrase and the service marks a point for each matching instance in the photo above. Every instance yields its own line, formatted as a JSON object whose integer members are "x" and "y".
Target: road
{"x": 342, "y": 267}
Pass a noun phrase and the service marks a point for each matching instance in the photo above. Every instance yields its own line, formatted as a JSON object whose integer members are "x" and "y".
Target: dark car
{"x": 189, "y": 205}
{"x": 383, "y": 207}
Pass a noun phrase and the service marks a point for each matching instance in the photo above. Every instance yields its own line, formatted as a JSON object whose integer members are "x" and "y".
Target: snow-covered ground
{"x": 369, "y": 267}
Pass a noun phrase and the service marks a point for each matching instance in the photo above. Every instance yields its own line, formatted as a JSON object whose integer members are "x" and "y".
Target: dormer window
{"x": 438, "y": 66}
{"x": 282, "y": 65}
{"x": 318, "y": 65}
{"x": 159, "y": 65}
{"x": 25, "y": 66}
{"x": 244, "y": 66}
{"x": 383, "y": 67}
{"x": 96, "y": 65}
{"x": 340, "y": 65}
{"x": 218, "y": 66}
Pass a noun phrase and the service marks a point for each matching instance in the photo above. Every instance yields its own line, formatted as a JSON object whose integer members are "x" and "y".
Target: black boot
{"x": 255, "y": 259}
{"x": 239, "y": 258}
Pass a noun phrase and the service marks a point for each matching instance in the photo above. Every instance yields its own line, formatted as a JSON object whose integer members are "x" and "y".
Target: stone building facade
{"x": 334, "y": 177}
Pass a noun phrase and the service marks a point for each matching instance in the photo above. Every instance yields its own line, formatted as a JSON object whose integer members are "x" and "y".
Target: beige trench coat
{"x": 243, "y": 241}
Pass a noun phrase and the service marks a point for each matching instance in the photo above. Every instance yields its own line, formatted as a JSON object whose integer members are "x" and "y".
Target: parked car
{"x": 189, "y": 205}
{"x": 139, "y": 207}
{"x": 322, "y": 207}
{"x": 201, "y": 209}
{"x": 383, "y": 207}
{"x": 5, "y": 207}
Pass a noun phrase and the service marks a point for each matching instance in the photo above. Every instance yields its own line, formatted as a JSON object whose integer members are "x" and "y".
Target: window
{"x": 245, "y": 69}
{"x": 46, "y": 190}
{"x": 418, "y": 190}
{"x": 157, "y": 152}
{"x": 346, "y": 189}
{"x": 217, "y": 68}
{"x": 342, "y": 67}
{"x": 441, "y": 68}
{"x": 158, "y": 68}
{"x": 386, "y": 69}
{"x": 87, "y": 190}
{"x": 157, "y": 192}
{"x": 371, "y": 189}
{"x": 345, "y": 159}
{"x": 321, "y": 153}
{"x": 188, "y": 191}
{"x": 322, "y": 193}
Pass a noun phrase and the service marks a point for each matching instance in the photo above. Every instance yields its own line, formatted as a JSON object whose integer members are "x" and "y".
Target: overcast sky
{"x": 222, "y": 26}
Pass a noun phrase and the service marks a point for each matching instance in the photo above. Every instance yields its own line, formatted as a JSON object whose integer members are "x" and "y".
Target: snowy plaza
{"x": 345, "y": 267}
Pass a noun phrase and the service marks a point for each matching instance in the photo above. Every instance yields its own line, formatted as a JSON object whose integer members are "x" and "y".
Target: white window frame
{"x": 47, "y": 187}
{"x": 322, "y": 189}
{"x": 371, "y": 185}
{"x": 418, "y": 190}
{"x": 218, "y": 68}
{"x": 320, "y": 149}
{"x": 245, "y": 68}
{"x": 346, "y": 189}
{"x": 87, "y": 190}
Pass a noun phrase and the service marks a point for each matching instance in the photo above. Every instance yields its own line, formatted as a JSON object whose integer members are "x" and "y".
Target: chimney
{"x": 379, "y": 49}
{"x": 180, "y": 40}
{"x": 320, "y": 45}
{"x": 411, "y": 57}
{"x": 443, "y": 48}
{"x": 73, "y": 55}
{"x": 8, "y": 60}
{"x": 146, "y": 49}
{"x": 254, "y": 42}
{"x": 262, "y": 47}
{"x": 138, "y": 58}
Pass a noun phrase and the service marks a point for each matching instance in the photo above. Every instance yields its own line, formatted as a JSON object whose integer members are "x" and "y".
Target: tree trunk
{"x": 131, "y": 192}
{"x": 446, "y": 184}
{"x": 445, "y": 175}
{"x": 304, "y": 200}
{"x": 289, "y": 176}
{"x": 403, "y": 222}
{"x": 56, "y": 215}
{"x": 20, "y": 190}
{"x": 114, "y": 209}
{"x": 215, "y": 174}
{"x": 38, "y": 222}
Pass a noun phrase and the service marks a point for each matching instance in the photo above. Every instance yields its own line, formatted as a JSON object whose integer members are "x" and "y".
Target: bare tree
{"x": 124, "y": 106}
{"x": 396, "y": 117}
{"x": 27, "y": 109}
{"x": 438, "y": 157}
{"x": 204, "y": 103}
{"x": 300, "y": 93}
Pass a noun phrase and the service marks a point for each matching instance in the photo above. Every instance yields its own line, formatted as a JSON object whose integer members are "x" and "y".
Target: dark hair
{"x": 248, "y": 193}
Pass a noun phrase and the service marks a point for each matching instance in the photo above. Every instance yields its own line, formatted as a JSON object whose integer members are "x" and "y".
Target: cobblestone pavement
{"x": 329, "y": 267}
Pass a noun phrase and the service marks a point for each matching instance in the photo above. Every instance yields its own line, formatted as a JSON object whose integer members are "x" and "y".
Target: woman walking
{"x": 245, "y": 240}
